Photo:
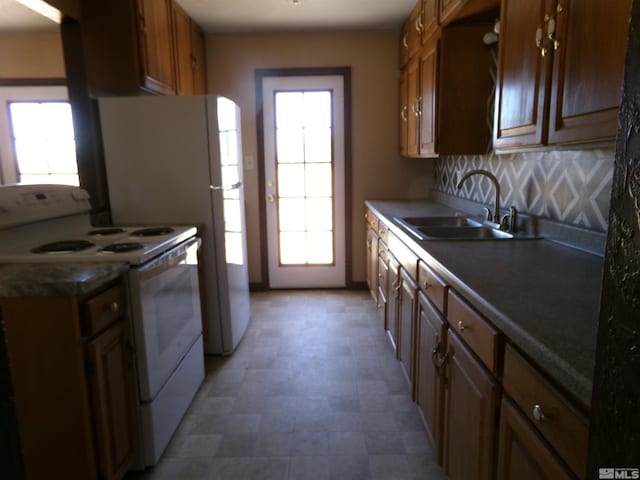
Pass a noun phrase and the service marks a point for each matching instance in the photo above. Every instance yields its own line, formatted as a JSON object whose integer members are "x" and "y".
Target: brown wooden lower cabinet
{"x": 472, "y": 401}
{"x": 71, "y": 371}
{"x": 431, "y": 334}
{"x": 392, "y": 304}
{"x": 523, "y": 454}
{"x": 406, "y": 316}
{"x": 111, "y": 397}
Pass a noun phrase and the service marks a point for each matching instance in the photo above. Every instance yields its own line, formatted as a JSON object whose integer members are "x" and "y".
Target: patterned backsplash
{"x": 571, "y": 187}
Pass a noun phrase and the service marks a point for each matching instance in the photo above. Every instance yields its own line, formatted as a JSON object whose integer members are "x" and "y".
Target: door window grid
{"x": 43, "y": 142}
{"x": 304, "y": 163}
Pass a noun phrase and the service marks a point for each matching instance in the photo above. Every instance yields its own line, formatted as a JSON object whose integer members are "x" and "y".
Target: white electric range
{"x": 51, "y": 224}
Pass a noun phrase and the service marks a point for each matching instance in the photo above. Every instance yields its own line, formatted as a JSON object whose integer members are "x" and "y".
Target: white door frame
{"x": 342, "y": 229}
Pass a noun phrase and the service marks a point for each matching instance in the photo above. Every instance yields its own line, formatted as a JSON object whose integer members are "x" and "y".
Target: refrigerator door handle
{"x": 233, "y": 186}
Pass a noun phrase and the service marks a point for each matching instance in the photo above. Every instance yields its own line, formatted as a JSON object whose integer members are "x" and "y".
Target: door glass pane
{"x": 291, "y": 180}
{"x": 290, "y": 145}
{"x": 319, "y": 214}
{"x": 292, "y": 214}
{"x": 318, "y": 180}
{"x": 317, "y": 145}
{"x": 304, "y": 135}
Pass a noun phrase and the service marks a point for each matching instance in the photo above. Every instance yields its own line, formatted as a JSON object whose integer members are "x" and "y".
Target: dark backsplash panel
{"x": 572, "y": 187}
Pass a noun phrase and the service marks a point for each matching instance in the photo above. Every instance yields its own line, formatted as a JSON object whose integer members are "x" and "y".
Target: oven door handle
{"x": 168, "y": 259}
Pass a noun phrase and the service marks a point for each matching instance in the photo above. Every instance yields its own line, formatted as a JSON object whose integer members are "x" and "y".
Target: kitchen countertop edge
{"x": 56, "y": 279}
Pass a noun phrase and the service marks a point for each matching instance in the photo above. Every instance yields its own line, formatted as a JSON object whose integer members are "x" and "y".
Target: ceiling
{"x": 251, "y": 15}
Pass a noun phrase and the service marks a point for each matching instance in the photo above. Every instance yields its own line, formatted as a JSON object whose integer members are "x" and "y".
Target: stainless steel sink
{"x": 463, "y": 233}
{"x": 453, "y": 228}
{"x": 439, "y": 222}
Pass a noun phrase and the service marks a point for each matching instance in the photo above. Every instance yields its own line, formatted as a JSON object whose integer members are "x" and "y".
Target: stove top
{"x": 64, "y": 233}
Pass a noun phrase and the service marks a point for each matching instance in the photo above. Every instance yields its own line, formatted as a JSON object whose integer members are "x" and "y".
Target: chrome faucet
{"x": 496, "y": 184}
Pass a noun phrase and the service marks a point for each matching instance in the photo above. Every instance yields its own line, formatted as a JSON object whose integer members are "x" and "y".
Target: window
{"x": 43, "y": 142}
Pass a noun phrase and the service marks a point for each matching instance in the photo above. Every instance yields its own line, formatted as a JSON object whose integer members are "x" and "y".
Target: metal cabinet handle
{"x": 461, "y": 326}
{"x": 539, "y": 37}
{"x": 538, "y": 414}
{"x": 552, "y": 27}
{"x": 426, "y": 285}
{"x": 404, "y": 41}
{"x": 114, "y": 307}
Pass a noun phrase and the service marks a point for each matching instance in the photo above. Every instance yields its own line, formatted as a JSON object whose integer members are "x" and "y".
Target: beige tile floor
{"x": 312, "y": 392}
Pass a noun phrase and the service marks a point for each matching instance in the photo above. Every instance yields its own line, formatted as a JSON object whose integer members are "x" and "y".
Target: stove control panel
{"x": 21, "y": 204}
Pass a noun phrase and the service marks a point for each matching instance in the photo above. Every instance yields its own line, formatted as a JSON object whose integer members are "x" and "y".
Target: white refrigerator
{"x": 178, "y": 161}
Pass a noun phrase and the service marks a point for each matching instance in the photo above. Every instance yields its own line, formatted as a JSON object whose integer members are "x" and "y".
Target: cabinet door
{"x": 383, "y": 279}
{"x": 431, "y": 334}
{"x": 392, "y": 304}
{"x": 112, "y": 400}
{"x": 184, "y": 63}
{"x": 372, "y": 262}
{"x": 523, "y": 76}
{"x": 588, "y": 65}
{"x": 448, "y": 8}
{"x": 199, "y": 60}
{"x": 156, "y": 46}
{"x": 404, "y": 112}
{"x": 523, "y": 454}
{"x": 427, "y": 99}
{"x": 413, "y": 117}
{"x": 472, "y": 402}
{"x": 406, "y": 334}
{"x": 430, "y": 15}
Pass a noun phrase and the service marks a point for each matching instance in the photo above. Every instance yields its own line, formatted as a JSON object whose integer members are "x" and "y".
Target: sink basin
{"x": 462, "y": 233}
{"x": 452, "y": 228}
{"x": 438, "y": 222}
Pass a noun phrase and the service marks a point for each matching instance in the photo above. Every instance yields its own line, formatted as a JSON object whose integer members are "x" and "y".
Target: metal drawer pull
{"x": 426, "y": 285}
{"x": 538, "y": 414}
{"x": 461, "y": 326}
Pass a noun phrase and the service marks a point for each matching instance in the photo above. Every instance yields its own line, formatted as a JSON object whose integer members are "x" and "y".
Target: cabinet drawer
{"x": 433, "y": 286}
{"x": 565, "y": 428}
{"x": 483, "y": 339}
{"x": 102, "y": 310}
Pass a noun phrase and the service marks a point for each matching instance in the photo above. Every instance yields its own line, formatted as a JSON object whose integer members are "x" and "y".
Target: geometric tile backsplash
{"x": 570, "y": 186}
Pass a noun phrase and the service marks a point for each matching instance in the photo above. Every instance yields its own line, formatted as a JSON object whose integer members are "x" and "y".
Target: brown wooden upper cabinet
{"x": 189, "y": 54}
{"x": 560, "y": 72}
{"x": 444, "y": 94}
{"x": 134, "y": 45}
{"x": 411, "y": 35}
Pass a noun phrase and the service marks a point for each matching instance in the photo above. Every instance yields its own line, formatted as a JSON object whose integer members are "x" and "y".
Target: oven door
{"x": 165, "y": 310}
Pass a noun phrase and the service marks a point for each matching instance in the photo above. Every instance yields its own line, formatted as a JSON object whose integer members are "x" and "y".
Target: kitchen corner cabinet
{"x": 71, "y": 369}
{"x": 444, "y": 93}
{"x": 560, "y": 72}
{"x": 189, "y": 54}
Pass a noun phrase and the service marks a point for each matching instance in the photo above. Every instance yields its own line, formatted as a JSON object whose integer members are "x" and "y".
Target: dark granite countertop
{"x": 544, "y": 296}
{"x": 56, "y": 279}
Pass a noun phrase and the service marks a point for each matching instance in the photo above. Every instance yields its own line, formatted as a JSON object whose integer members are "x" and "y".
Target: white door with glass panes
{"x": 304, "y": 180}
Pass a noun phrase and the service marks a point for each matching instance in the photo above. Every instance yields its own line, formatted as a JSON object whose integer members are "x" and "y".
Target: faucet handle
{"x": 487, "y": 214}
{"x": 505, "y": 224}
